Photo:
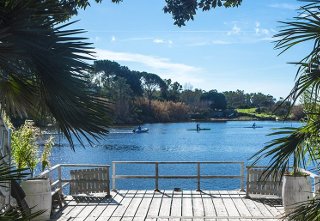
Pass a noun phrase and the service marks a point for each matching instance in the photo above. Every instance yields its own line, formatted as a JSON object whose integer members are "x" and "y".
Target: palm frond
{"x": 51, "y": 62}
{"x": 291, "y": 143}
{"x": 308, "y": 211}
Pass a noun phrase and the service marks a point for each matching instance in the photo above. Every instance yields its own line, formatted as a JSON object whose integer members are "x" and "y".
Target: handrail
{"x": 58, "y": 184}
{"x": 198, "y": 175}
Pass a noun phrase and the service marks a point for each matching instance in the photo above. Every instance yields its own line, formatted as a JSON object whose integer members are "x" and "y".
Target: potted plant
{"x": 287, "y": 154}
{"x": 25, "y": 155}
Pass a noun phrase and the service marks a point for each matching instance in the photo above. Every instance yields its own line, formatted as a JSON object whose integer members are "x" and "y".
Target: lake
{"x": 226, "y": 141}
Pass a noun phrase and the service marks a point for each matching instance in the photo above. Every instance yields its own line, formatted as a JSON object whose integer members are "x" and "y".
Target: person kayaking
{"x": 198, "y": 127}
{"x": 254, "y": 124}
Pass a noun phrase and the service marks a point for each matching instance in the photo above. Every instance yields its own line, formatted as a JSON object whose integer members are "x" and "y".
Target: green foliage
{"x": 46, "y": 153}
{"x": 43, "y": 69}
{"x": 253, "y": 112}
{"x": 184, "y": 10}
{"x": 24, "y": 147}
{"x": 215, "y": 100}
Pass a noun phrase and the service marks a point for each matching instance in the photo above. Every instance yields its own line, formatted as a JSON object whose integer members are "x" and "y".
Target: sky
{"x": 222, "y": 49}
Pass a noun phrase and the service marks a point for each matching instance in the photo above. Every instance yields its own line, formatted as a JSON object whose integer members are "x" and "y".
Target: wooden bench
{"x": 88, "y": 181}
{"x": 258, "y": 184}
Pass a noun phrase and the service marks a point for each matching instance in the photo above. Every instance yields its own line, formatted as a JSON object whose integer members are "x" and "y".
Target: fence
{"x": 88, "y": 181}
{"x": 198, "y": 176}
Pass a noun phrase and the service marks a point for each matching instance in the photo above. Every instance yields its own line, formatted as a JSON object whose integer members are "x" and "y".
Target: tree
{"x": 192, "y": 98}
{"x": 106, "y": 71}
{"x": 173, "y": 90}
{"x": 184, "y": 10}
{"x": 215, "y": 100}
{"x": 262, "y": 100}
{"x": 237, "y": 99}
{"x": 151, "y": 83}
{"x": 181, "y": 10}
{"x": 303, "y": 141}
{"x": 43, "y": 69}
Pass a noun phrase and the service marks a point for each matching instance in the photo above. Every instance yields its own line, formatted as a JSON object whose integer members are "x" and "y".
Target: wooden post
{"x": 108, "y": 182}
{"x": 198, "y": 176}
{"x": 248, "y": 186}
{"x": 242, "y": 176}
{"x": 60, "y": 179}
{"x": 156, "y": 176}
{"x": 113, "y": 176}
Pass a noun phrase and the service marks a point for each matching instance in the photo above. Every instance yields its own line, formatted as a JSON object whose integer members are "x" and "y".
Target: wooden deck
{"x": 169, "y": 205}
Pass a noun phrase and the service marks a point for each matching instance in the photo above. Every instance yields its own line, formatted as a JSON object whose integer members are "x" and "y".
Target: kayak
{"x": 253, "y": 127}
{"x": 199, "y": 129}
{"x": 142, "y": 130}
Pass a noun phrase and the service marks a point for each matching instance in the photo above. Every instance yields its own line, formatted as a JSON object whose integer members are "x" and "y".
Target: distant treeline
{"x": 140, "y": 97}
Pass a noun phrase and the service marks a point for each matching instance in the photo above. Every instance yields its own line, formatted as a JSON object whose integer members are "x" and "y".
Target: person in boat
{"x": 139, "y": 128}
{"x": 198, "y": 127}
{"x": 254, "y": 124}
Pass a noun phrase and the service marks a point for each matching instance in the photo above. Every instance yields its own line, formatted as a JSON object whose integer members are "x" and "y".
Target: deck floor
{"x": 169, "y": 205}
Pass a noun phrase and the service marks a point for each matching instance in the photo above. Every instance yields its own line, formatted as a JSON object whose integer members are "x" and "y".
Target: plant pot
{"x": 38, "y": 196}
{"x": 295, "y": 191}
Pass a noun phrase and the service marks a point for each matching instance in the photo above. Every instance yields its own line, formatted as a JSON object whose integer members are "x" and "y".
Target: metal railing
{"x": 57, "y": 180}
{"x": 259, "y": 183}
{"x": 198, "y": 176}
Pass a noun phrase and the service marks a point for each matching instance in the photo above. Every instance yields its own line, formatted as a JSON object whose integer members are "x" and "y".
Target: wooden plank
{"x": 176, "y": 207}
{"x": 166, "y": 203}
{"x": 209, "y": 209}
{"x": 197, "y": 205}
{"x": 155, "y": 205}
{"x": 133, "y": 206}
{"x": 118, "y": 199}
{"x": 229, "y": 204}
{"x": 238, "y": 202}
{"x": 262, "y": 208}
{"x": 218, "y": 204}
{"x": 187, "y": 203}
{"x": 77, "y": 209}
{"x": 144, "y": 206}
{"x": 121, "y": 209}
{"x": 102, "y": 205}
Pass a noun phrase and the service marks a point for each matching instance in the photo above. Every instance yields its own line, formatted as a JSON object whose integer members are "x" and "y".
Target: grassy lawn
{"x": 252, "y": 112}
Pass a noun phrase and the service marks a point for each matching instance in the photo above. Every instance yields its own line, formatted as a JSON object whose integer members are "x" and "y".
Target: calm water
{"x": 229, "y": 141}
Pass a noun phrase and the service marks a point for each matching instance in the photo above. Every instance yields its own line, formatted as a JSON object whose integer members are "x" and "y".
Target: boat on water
{"x": 199, "y": 129}
{"x": 140, "y": 130}
{"x": 254, "y": 127}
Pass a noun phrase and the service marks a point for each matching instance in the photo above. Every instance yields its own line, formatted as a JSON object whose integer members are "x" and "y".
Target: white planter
{"x": 295, "y": 190}
{"x": 38, "y": 196}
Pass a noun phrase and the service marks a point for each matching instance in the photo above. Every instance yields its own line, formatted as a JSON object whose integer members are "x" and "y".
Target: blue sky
{"x": 223, "y": 49}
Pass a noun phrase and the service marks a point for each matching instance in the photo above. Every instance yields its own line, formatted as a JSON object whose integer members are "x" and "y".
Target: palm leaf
{"x": 50, "y": 62}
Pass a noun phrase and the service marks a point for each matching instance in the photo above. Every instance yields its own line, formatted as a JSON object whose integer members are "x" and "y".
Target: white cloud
{"x": 284, "y": 6}
{"x": 162, "y": 41}
{"x": 113, "y": 39}
{"x": 158, "y": 65}
{"x": 263, "y": 31}
{"x": 234, "y": 31}
{"x": 158, "y": 41}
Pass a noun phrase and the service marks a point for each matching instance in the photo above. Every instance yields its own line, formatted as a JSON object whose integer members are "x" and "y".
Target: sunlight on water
{"x": 229, "y": 141}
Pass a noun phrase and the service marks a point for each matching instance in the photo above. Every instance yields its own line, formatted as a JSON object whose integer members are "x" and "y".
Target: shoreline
{"x": 211, "y": 120}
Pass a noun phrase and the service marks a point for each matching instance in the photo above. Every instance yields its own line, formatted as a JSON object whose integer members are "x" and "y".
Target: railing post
{"x": 113, "y": 176}
{"x": 317, "y": 185}
{"x": 60, "y": 179}
{"x": 242, "y": 176}
{"x": 198, "y": 176}
{"x": 248, "y": 181}
{"x": 108, "y": 182}
{"x": 156, "y": 176}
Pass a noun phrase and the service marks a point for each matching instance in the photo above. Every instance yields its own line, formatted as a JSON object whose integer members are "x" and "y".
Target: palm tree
{"x": 302, "y": 143}
{"x": 43, "y": 69}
